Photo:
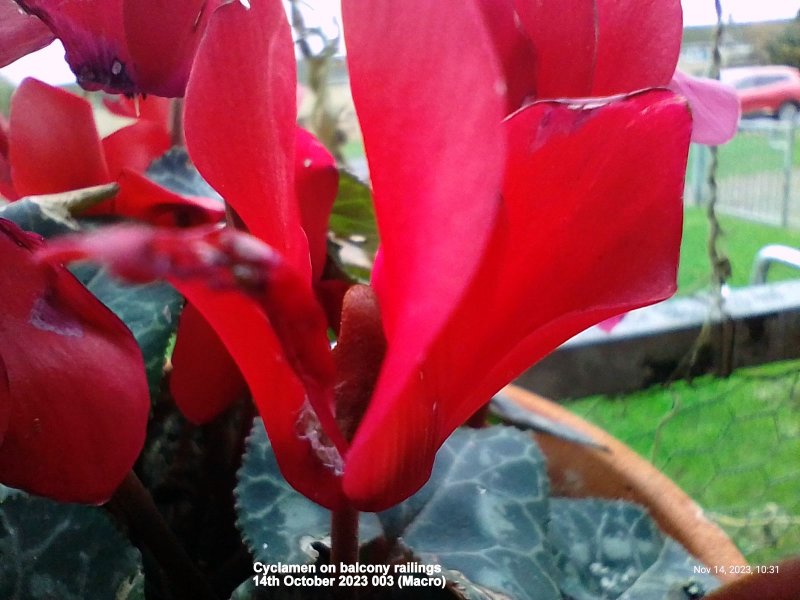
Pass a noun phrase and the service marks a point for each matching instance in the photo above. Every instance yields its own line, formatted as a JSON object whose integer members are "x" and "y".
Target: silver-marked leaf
{"x": 7, "y": 492}
{"x": 66, "y": 551}
{"x": 52, "y": 214}
{"x": 512, "y": 413}
{"x": 150, "y": 311}
{"x": 133, "y": 589}
{"x": 278, "y": 523}
{"x": 484, "y": 513}
{"x": 467, "y": 590}
{"x": 604, "y": 547}
{"x": 672, "y": 577}
{"x": 175, "y": 172}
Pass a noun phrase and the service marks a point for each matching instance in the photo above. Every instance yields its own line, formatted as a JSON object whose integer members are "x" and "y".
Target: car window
{"x": 745, "y": 83}
{"x": 771, "y": 79}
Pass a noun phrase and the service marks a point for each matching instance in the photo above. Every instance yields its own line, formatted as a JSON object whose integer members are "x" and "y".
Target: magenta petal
{"x": 142, "y": 199}
{"x": 148, "y": 108}
{"x": 434, "y": 169}
{"x": 316, "y": 184}
{"x": 6, "y": 185}
{"x": 162, "y": 38}
{"x": 609, "y": 324}
{"x": 435, "y": 145}
{"x": 5, "y": 401}
{"x": 715, "y": 108}
{"x": 53, "y": 141}
{"x": 240, "y": 121}
{"x": 591, "y": 227}
{"x": 267, "y": 317}
{"x": 601, "y": 47}
{"x": 74, "y": 380}
{"x": 20, "y": 34}
{"x": 94, "y": 41}
{"x": 205, "y": 380}
{"x": 135, "y": 146}
{"x": 514, "y": 50}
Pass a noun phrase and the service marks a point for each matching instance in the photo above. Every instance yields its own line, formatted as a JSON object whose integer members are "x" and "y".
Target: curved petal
{"x": 77, "y": 423}
{"x": 20, "y": 34}
{"x": 265, "y": 314}
{"x": 7, "y": 190}
{"x": 94, "y": 41}
{"x": 135, "y": 147}
{"x": 591, "y": 227}
{"x": 603, "y": 221}
{"x": 148, "y": 108}
{"x": 316, "y": 183}
{"x": 307, "y": 458}
{"x": 602, "y": 47}
{"x": 436, "y": 150}
{"x": 5, "y": 401}
{"x": 514, "y": 49}
{"x": 141, "y": 199}
{"x": 53, "y": 142}
{"x": 162, "y": 38}
{"x": 3, "y": 136}
{"x": 240, "y": 121}
{"x": 205, "y": 380}
{"x": 715, "y": 108}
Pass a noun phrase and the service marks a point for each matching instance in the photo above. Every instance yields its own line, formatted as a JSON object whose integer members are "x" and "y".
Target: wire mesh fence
{"x": 732, "y": 444}
{"x": 758, "y": 175}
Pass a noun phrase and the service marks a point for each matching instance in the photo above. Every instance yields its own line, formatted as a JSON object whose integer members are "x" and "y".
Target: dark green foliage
{"x": 150, "y": 311}
{"x": 485, "y": 521}
{"x": 65, "y": 551}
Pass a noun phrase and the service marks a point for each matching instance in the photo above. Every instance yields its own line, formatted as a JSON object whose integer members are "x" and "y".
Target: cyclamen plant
{"x": 513, "y": 212}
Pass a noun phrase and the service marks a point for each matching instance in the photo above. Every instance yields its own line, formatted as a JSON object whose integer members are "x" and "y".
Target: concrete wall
{"x": 661, "y": 343}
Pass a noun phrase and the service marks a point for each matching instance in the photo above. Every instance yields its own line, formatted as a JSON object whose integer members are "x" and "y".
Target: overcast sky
{"x": 49, "y": 65}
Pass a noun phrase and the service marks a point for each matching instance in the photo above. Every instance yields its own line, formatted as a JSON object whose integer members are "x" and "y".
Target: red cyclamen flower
{"x": 120, "y": 46}
{"x": 205, "y": 380}
{"x": 73, "y": 395}
{"x": 20, "y": 33}
{"x": 500, "y": 239}
{"x": 52, "y": 146}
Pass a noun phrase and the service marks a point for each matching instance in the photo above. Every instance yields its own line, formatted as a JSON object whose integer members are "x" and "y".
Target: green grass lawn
{"x": 755, "y": 153}
{"x": 750, "y": 153}
{"x": 733, "y": 445}
{"x": 353, "y": 149}
{"x": 742, "y": 240}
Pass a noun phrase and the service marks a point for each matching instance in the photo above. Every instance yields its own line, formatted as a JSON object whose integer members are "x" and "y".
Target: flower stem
{"x": 148, "y": 528}
{"x": 176, "y": 123}
{"x": 344, "y": 545}
{"x": 480, "y": 418}
{"x": 344, "y": 536}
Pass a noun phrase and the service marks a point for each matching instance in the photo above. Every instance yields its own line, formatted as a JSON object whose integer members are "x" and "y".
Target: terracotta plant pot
{"x": 776, "y": 582}
{"x": 619, "y": 473}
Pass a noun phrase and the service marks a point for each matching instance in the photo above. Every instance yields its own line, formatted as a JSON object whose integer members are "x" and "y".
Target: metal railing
{"x": 758, "y": 175}
{"x": 770, "y": 255}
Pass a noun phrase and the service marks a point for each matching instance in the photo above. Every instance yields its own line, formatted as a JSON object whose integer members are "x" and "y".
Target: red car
{"x": 772, "y": 90}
